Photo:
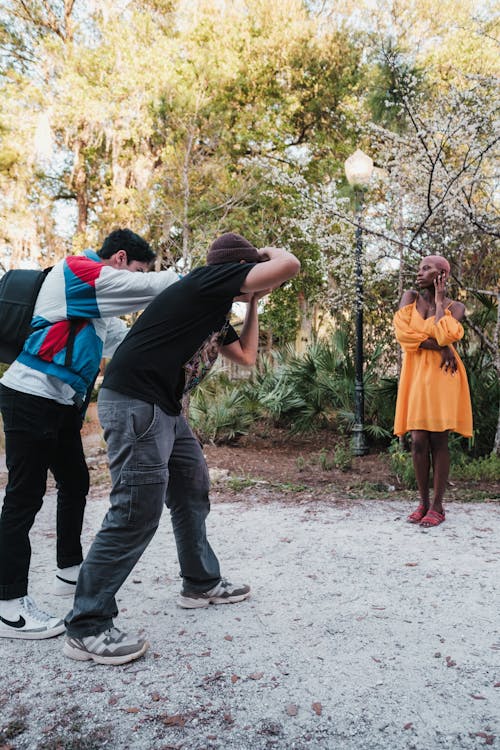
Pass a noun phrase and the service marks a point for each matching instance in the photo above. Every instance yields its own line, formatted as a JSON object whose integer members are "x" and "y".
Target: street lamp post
{"x": 358, "y": 170}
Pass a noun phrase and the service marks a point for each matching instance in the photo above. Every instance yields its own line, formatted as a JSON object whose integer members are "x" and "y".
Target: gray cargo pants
{"x": 153, "y": 459}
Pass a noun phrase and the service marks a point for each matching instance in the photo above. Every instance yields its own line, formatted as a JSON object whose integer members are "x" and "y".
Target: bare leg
{"x": 441, "y": 467}
{"x": 420, "y": 450}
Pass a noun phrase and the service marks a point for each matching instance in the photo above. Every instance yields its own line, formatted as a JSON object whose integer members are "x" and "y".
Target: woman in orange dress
{"x": 433, "y": 393}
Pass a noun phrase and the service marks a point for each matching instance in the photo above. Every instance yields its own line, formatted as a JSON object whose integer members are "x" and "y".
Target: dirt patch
{"x": 315, "y": 461}
{"x": 275, "y": 464}
{"x": 275, "y": 460}
{"x": 278, "y": 464}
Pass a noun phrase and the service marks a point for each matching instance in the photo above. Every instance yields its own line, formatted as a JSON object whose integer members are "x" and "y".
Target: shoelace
{"x": 113, "y": 632}
{"x": 34, "y": 610}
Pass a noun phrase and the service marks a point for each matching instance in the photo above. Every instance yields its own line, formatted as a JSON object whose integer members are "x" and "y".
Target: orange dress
{"x": 428, "y": 397}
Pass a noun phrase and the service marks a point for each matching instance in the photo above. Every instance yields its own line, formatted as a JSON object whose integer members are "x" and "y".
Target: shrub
{"x": 220, "y": 411}
{"x": 486, "y": 469}
{"x": 483, "y": 378}
{"x": 402, "y": 465}
{"x": 315, "y": 390}
{"x": 342, "y": 457}
{"x": 485, "y": 394}
{"x": 301, "y": 463}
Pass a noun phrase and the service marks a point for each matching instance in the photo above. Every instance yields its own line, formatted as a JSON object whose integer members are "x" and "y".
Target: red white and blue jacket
{"x": 84, "y": 292}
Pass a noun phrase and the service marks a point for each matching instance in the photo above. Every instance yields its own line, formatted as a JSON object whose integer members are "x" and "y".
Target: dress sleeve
{"x": 408, "y": 337}
{"x": 448, "y": 330}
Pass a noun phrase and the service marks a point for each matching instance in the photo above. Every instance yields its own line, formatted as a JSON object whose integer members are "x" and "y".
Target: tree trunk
{"x": 400, "y": 294}
{"x": 164, "y": 250}
{"x": 496, "y": 343}
{"x": 80, "y": 187}
{"x": 186, "y": 198}
{"x": 496, "y": 445}
{"x": 83, "y": 208}
{"x": 304, "y": 334}
{"x": 399, "y": 355}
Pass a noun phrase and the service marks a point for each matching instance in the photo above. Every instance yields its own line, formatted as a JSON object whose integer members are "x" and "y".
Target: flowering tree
{"x": 432, "y": 192}
{"x": 438, "y": 185}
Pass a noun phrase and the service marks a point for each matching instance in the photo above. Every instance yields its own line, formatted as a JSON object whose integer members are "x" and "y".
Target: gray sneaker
{"x": 24, "y": 619}
{"x": 111, "y": 647}
{"x": 223, "y": 593}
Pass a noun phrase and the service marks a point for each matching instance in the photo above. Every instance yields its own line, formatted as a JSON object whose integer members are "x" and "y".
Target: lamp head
{"x": 358, "y": 169}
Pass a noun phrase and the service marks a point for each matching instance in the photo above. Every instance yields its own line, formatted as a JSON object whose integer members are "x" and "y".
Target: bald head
{"x": 440, "y": 263}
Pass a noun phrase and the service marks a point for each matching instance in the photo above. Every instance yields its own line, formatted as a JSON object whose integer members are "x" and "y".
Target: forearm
{"x": 439, "y": 311}
{"x": 279, "y": 266}
{"x": 244, "y": 350}
{"x": 121, "y": 292}
{"x": 430, "y": 343}
{"x": 447, "y": 352}
{"x": 277, "y": 252}
{"x": 249, "y": 337}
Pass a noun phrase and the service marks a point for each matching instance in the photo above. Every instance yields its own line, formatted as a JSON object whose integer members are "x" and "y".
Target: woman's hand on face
{"x": 448, "y": 360}
{"x": 440, "y": 287}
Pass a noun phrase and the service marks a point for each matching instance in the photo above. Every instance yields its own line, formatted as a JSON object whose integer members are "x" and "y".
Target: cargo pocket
{"x": 147, "y": 486}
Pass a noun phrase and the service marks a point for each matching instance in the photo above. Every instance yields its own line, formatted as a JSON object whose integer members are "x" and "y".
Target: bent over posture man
{"x": 154, "y": 457}
{"x": 41, "y": 396}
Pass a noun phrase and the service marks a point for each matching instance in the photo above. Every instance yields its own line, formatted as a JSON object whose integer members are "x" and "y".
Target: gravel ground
{"x": 362, "y": 633}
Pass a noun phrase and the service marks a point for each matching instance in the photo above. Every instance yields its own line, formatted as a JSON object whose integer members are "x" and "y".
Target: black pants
{"x": 40, "y": 434}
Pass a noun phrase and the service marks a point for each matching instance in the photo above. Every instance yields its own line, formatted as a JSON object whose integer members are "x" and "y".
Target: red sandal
{"x": 432, "y": 518}
{"x": 417, "y": 515}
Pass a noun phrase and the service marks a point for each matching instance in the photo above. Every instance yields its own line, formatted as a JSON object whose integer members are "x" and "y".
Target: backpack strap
{"x": 84, "y": 404}
{"x": 70, "y": 344}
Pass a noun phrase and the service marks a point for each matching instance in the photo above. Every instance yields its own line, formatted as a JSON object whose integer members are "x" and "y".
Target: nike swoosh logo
{"x": 66, "y": 580}
{"x": 17, "y": 624}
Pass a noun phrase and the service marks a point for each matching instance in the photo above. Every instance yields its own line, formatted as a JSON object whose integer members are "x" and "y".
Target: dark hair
{"x": 124, "y": 239}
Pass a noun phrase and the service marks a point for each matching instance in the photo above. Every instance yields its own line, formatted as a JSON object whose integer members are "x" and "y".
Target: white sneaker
{"x": 21, "y": 618}
{"x": 66, "y": 578}
{"x": 223, "y": 593}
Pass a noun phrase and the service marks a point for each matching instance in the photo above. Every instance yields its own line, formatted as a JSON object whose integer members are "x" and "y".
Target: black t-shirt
{"x": 175, "y": 341}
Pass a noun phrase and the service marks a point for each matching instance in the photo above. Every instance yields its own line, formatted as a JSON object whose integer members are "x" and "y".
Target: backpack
{"x": 19, "y": 290}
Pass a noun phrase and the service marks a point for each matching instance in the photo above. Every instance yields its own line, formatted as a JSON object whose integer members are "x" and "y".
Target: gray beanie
{"x": 232, "y": 248}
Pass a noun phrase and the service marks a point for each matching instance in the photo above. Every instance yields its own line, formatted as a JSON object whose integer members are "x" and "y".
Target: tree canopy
{"x": 185, "y": 118}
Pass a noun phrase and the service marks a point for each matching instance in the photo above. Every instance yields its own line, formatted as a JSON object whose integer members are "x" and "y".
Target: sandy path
{"x": 363, "y": 632}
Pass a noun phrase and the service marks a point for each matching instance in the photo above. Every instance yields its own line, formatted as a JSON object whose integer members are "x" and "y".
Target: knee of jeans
{"x": 188, "y": 495}
{"x": 74, "y": 487}
{"x": 201, "y": 479}
{"x": 20, "y": 505}
{"x": 195, "y": 477}
{"x": 82, "y": 486}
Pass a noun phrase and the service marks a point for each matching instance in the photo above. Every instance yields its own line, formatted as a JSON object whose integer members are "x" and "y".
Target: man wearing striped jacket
{"x": 42, "y": 396}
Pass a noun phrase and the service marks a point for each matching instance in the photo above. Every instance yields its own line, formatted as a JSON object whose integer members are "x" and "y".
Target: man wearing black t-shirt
{"x": 154, "y": 457}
